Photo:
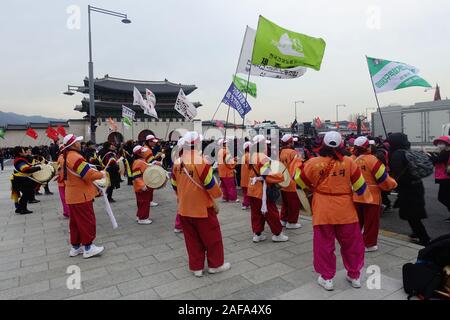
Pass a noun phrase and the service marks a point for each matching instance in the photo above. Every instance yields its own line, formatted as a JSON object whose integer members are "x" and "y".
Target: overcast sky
{"x": 198, "y": 42}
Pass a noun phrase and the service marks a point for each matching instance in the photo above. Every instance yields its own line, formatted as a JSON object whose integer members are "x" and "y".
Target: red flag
{"x": 363, "y": 126}
{"x": 337, "y": 125}
{"x": 317, "y": 123}
{"x": 219, "y": 124}
{"x": 52, "y": 133}
{"x": 352, "y": 126}
{"x": 31, "y": 133}
{"x": 61, "y": 131}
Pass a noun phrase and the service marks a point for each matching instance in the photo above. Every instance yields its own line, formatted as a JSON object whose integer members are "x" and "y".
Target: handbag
{"x": 273, "y": 191}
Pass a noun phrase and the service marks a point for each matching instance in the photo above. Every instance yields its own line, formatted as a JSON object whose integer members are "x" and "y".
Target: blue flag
{"x": 236, "y": 100}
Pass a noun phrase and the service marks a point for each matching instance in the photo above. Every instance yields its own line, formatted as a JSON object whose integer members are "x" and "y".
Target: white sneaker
{"x": 198, "y": 273}
{"x": 372, "y": 249}
{"x": 237, "y": 201}
{"x": 245, "y": 207}
{"x": 293, "y": 225}
{"x": 280, "y": 238}
{"x": 356, "y": 283}
{"x": 326, "y": 284}
{"x": 226, "y": 266}
{"x": 283, "y": 223}
{"x": 259, "y": 238}
{"x": 223, "y": 200}
{"x": 145, "y": 221}
{"x": 177, "y": 230}
{"x": 75, "y": 252}
{"x": 93, "y": 251}
{"x": 154, "y": 204}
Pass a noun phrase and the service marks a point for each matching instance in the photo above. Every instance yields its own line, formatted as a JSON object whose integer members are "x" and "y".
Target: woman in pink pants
{"x": 335, "y": 178}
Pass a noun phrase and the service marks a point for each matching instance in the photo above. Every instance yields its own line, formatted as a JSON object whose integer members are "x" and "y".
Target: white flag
{"x": 147, "y": 105}
{"x": 258, "y": 70}
{"x": 185, "y": 107}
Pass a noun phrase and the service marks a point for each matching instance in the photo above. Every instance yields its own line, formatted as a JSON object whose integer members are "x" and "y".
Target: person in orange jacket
{"x": 334, "y": 178}
{"x": 225, "y": 167}
{"x": 290, "y": 209}
{"x": 262, "y": 208}
{"x": 80, "y": 193}
{"x": 245, "y": 175}
{"x": 61, "y": 185}
{"x": 378, "y": 180}
{"x": 144, "y": 194}
{"x": 196, "y": 188}
{"x": 150, "y": 157}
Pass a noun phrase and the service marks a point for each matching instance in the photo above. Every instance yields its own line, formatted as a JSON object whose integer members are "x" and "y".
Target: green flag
{"x": 241, "y": 84}
{"x": 2, "y": 133}
{"x": 284, "y": 49}
{"x": 127, "y": 121}
{"x": 391, "y": 75}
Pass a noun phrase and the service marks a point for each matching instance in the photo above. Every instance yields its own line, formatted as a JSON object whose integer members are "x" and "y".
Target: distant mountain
{"x": 14, "y": 118}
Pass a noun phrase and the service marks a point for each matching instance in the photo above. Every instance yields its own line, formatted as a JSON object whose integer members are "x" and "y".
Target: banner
{"x": 391, "y": 75}
{"x": 245, "y": 86}
{"x": 236, "y": 100}
{"x": 280, "y": 48}
{"x": 245, "y": 61}
{"x": 185, "y": 107}
{"x": 128, "y": 113}
{"x": 148, "y": 106}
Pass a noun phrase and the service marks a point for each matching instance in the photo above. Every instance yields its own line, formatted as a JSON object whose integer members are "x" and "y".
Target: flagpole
{"x": 376, "y": 98}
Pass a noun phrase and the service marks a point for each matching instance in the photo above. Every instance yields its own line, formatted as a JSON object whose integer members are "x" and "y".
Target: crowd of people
{"x": 347, "y": 180}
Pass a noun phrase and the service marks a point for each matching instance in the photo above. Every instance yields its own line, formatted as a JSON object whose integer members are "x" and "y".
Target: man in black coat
{"x": 411, "y": 192}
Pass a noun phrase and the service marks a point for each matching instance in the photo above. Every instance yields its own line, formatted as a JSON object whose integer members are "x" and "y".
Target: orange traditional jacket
{"x": 245, "y": 170}
{"x": 261, "y": 165}
{"x": 138, "y": 168}
{"x": 377, "y": 178}
{"x": 333, "y": 196}
{"x": 79, "y": 186}
{"x": 226, "y": 164}
{"x": 148, "y": 156}
{"x": 287, "y": 156}
{"x": 60, "y": 172}
{"x": 194, "y": 199}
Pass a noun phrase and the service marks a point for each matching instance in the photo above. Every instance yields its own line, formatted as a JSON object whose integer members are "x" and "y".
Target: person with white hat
{"x": 150, "y": 156}
{"x": 144, "y": 194}
{"x": 225, "y": 166}
{"x": 80, "y": 192}
{"x": 290, "y": 209}
{"x": 196, "y": 188}
{"x": 378, "y": 179}
{"x": 263, "y": 208}
{"x": 245, "y": 175}
{"x": 178, "y": 228}
{"x": 334, "y": 178}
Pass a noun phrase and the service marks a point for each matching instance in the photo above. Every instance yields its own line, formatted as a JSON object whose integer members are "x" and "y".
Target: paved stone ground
{"x": 150, "y": 262}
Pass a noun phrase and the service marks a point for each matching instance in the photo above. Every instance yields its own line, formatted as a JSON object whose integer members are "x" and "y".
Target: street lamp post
{"x": 337, "y": 111}
{"x": 295, "y": 104}
{"x": 91, "y": 63}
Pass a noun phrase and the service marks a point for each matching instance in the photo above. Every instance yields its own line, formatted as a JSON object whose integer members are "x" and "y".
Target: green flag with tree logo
{"x": 2, "y": 133}
{"x": 280, "y": 48}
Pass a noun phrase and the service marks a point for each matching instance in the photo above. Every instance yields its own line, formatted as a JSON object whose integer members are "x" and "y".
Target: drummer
{"x": 290, "y": 208}
{"x": 108, "y": 158}
{"x": 22, "y": 186}
{"x": 150, "y": 156}
{"x": 80, "y": 193}
{"x": 144, "y": 194}
{"x": 196, "y": 188}
{"x": 262, "y": 208}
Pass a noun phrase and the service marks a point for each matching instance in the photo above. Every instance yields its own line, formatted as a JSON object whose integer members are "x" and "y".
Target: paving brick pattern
{"x": 150, "y": 262}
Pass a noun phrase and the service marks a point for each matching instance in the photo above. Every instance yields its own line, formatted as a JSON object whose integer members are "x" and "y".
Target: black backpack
{"x": 426, "y": 275}
{"x": 419, "y": 164}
